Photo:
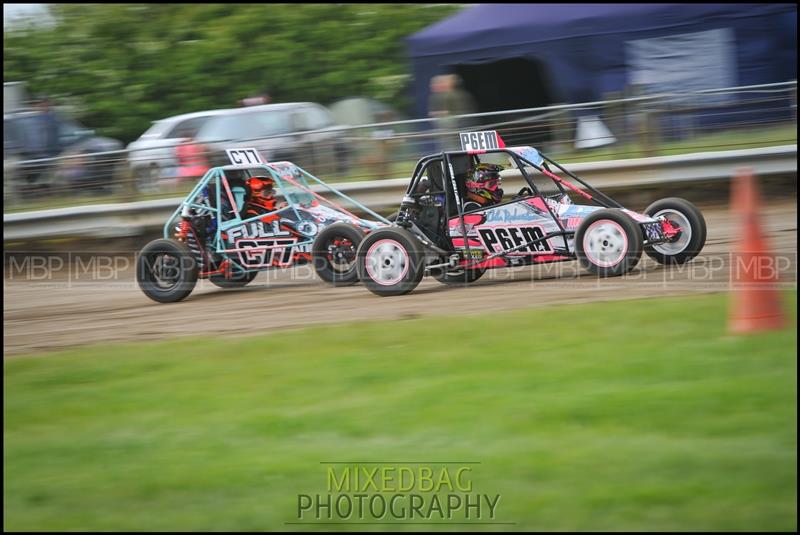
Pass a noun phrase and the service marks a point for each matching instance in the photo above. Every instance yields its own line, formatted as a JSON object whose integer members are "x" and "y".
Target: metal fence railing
{"x": 665, "y": 174}
{"x": 634, "y": 125}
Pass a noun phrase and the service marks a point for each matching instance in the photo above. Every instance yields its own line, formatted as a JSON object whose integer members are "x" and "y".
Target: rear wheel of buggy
{"x": 608, "y": 243}
{"x": 467, "y": 276}
{"x": 166, "y": 270}
{"x": 237, "y": 280}
{"x": 334, "y": 254}
{"x": 691, "y": 235}
{"x": 390, "y": 261}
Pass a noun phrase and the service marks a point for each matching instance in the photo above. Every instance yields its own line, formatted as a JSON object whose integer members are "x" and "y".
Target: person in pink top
{"x": 191, "y": 158}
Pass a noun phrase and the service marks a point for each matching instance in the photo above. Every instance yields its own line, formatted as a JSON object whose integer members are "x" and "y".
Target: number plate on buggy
{"x": 243, "y": 156}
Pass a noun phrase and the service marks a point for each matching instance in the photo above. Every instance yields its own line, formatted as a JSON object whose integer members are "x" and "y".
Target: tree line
{"x": 121, "y": 66}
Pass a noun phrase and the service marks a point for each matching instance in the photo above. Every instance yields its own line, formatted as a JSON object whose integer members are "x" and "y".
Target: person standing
{"x": 44, "y": 142}
{"x": 191, "y": 157}
{"x": 48, "y": 129}
{"x": 448, "y": 103}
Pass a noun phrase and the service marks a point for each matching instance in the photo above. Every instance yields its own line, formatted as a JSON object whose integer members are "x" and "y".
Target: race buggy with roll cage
{"x": 213, "y": 234}
{"x": 437, "y": 231}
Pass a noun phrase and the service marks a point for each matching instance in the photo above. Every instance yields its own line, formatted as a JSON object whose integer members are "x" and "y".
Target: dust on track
{"x": 67, "y": 310}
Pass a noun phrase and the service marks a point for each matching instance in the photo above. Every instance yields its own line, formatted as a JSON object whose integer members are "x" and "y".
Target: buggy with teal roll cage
{"x": 221, "y": 233}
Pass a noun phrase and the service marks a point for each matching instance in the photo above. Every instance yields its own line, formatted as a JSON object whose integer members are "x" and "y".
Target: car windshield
{"x": 27, "y": 133}
{"x": 71, "y": 131}
{"x": 186, "y": 128}
{"x": 157, "y": 129}
{"x": 242, "y": 126}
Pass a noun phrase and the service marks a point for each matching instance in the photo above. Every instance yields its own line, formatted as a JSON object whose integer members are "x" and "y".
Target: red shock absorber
{"x": 183, "y": 230}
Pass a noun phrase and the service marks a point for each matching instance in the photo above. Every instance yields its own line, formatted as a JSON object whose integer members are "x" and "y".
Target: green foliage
{"x": 129, "y": 64}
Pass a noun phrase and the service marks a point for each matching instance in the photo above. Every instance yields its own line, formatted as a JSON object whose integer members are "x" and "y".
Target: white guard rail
{"x": 137, "y": 218}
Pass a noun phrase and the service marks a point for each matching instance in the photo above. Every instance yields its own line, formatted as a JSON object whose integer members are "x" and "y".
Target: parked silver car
{"x": 301, "y": 132}
{"x": 152, "y": 156}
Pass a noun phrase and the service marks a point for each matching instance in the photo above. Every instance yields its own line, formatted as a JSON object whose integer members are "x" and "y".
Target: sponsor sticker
{"x": 653, "y": 231}
{"x": 530, "y": 154}
{"x": 266, "y": 253}
{"x": 502, "y": 238}
{"x": 261, "y": 245}
{"x": 256, "y": 229}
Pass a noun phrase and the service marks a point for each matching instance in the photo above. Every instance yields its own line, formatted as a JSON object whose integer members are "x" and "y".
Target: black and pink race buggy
{"x": 441, "y": 231}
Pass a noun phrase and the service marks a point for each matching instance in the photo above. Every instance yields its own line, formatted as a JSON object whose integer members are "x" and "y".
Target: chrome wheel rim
{"x": 605, "y": 243}
{"x": 681, "y": 241}
{"x": 387, "y": 262}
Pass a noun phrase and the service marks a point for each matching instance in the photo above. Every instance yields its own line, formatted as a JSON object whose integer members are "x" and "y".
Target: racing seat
{"x": 239, "y": 192}
{"x": 432, "y": 220}
{"x": 460, "y": 165}
{"x": 434, "y": 174}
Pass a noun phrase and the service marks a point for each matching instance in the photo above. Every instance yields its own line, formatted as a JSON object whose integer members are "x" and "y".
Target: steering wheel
{"x": 524, "y": 192}
{"x": 471, "y": 205}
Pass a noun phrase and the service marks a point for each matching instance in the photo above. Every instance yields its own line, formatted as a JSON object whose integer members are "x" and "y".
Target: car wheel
{"x": 166, "y": 270}
{"x": 237, "y": 280}
{"x": 689, "y": 240}
{"x": 334, "y": 254}
{"x": 390, "y": 261}
{"x": 608, "y": 243}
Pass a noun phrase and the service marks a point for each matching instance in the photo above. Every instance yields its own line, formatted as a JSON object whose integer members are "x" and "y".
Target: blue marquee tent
{"x": 525, "y": 55}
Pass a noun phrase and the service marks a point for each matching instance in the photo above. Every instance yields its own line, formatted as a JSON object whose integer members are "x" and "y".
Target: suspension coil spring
{"x": 185, "y": 234}
{"x": 182, "y": 229}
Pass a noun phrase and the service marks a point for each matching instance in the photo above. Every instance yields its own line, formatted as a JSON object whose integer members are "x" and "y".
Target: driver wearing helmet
{"x": 261, "y": 196}
{"x": 483, "y": 186}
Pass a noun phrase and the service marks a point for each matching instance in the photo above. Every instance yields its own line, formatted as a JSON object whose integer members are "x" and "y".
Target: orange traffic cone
{"x": 756, "y": 302}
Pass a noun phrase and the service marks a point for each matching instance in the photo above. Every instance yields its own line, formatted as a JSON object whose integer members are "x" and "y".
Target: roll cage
{"x": 221, "y": 195}
{"x": 448, "y": 188}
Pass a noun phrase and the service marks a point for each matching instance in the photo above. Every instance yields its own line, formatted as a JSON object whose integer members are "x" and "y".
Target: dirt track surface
{"x": 88, "y": 305}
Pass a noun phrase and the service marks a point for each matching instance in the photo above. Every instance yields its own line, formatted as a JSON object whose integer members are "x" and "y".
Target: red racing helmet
{"x": 262, "y": 191}
{"x": 483, "y": 186}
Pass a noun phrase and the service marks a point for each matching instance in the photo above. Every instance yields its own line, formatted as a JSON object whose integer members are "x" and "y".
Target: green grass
{"x": 630, "y": 415}
{"x": 740, "y": 138}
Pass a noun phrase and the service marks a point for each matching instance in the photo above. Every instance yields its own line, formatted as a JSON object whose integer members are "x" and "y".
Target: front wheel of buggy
{"x": 166, "y": 270}
{"x": 608, "y": 243}
{"x": 390, "y": 261}
{"x": 334, "y": 254}
{"x": 690, "y": 238}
